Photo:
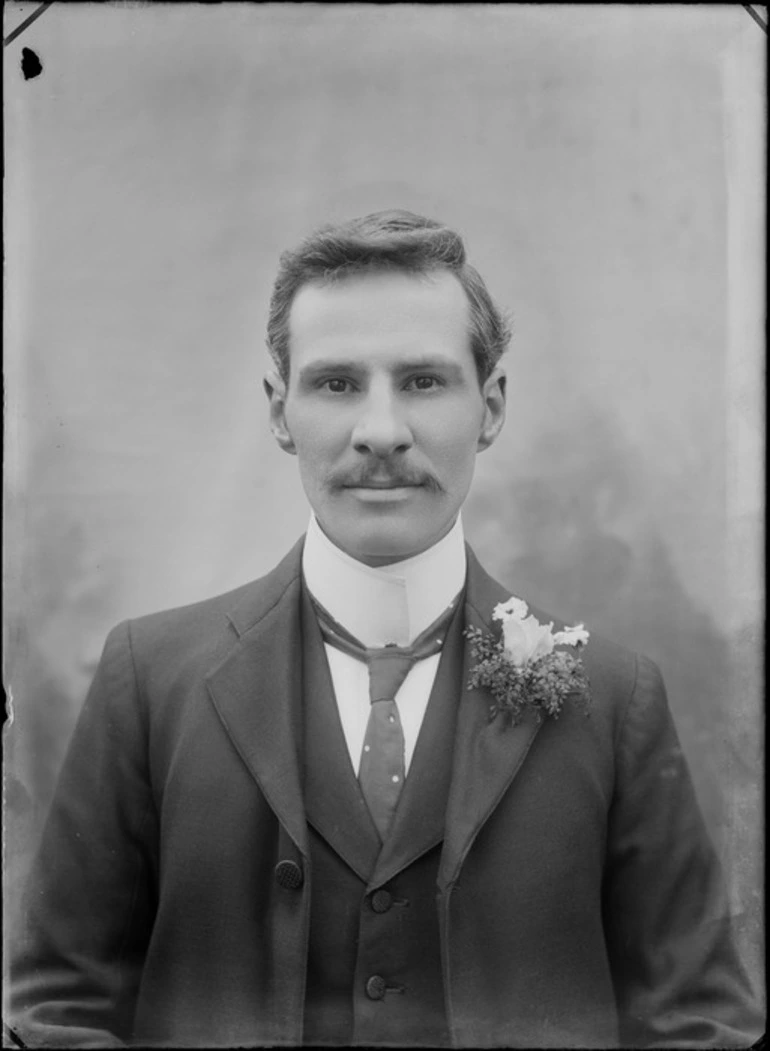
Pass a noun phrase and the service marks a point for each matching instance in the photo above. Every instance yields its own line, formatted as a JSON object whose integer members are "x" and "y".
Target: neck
{"x": 393, "y": 601}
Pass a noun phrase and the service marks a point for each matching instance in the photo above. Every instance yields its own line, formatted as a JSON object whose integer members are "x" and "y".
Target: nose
{"x": 381, "y": 428}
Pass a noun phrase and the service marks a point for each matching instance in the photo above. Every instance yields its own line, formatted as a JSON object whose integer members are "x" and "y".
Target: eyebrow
{"x": 357, "y": 366}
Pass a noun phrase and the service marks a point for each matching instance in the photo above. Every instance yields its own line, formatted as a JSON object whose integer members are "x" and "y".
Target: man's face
{"x": 384, "y": 409}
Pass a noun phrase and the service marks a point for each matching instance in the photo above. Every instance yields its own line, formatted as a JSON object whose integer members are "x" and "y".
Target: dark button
{"x": 382, "y": 900}
{"x": 288, "y": 874}
{"x": 375, "y": 987}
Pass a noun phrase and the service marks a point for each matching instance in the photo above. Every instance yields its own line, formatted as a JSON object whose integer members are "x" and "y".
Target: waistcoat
{"x": 374, "y": 959}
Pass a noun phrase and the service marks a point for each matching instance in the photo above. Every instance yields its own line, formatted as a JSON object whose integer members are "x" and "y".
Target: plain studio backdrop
{"x": 606, "y": 167}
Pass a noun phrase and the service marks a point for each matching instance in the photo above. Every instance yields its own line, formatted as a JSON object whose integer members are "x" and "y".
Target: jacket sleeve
{"x": 87, "y": 910}
{"x": 677, "y": 977}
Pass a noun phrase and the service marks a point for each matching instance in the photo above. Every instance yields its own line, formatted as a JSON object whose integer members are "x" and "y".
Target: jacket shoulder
{"x": 616, "y": 674}
{"x": 211, "y": 626}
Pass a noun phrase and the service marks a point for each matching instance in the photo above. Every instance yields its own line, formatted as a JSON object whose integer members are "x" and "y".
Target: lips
{"x": 384, "y": 485}
{"x": 367, "y": 481}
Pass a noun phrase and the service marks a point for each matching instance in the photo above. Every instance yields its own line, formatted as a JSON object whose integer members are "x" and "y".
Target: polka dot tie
{"x": 381, "y": 772}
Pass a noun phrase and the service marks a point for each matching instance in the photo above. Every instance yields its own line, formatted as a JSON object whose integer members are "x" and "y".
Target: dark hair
{"x": 390, "y": 240}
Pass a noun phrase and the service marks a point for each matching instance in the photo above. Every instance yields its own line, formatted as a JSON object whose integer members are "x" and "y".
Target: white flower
{"x": 526, "y": 640}
{"x": 514, "y": 607}
{"x": 577, "y": 636}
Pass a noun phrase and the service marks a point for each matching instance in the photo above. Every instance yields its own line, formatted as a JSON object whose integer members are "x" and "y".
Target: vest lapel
{"x": 335, "y": 806}
{"x": 418, "y": 824}
{"x": 256, "y": 691}
{"x": 487, "y": 755}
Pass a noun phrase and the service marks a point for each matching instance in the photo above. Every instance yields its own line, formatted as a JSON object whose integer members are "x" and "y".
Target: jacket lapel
{"x": 256, "y": 691}
{"x": 487, "y": 755}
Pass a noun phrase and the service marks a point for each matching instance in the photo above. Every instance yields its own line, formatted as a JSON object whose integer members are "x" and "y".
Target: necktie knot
{"x": 390, "y": 656}
{"x": 387, "y": 671}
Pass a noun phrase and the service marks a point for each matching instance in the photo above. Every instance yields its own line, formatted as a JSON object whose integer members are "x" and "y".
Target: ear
{"x": 493, "y": 393}
{"x": 275, "y": 388}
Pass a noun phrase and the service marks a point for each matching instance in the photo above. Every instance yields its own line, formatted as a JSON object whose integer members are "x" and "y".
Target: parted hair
{"x": 390, "y": 240}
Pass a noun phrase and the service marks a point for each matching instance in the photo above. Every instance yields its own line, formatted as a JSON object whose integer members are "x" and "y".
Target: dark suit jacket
{"x": 578, "y": 897}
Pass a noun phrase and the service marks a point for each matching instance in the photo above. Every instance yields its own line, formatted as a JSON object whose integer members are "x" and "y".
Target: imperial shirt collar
{"x": 384, "y": 604}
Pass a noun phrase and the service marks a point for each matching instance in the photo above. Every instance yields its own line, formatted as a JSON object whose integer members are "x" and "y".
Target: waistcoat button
{"x": 288, "y": 874}
{"x": 375, "y": 987}
{"x": 382, "y": 900}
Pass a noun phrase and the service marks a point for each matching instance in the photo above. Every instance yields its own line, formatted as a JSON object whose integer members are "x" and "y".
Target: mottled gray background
{"x": 606, "y": 167}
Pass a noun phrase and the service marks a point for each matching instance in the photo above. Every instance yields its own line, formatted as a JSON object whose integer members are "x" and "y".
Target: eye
{"x": 424, "y": 383}
{"x": 336, "y": 385}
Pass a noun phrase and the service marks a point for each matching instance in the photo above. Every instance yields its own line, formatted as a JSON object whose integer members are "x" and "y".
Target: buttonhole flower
{"x": 523, "y": 669}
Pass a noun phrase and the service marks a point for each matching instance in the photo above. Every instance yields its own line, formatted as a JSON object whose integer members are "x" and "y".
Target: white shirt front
{"x": 378, "y": 605}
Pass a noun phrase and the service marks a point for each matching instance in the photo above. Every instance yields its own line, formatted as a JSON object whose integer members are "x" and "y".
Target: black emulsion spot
{"x": 31, "y": 65}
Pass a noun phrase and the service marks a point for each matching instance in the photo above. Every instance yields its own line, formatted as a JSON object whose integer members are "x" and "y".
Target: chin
{"x": 377, "y": 547}
{"x": 376, "y": 535}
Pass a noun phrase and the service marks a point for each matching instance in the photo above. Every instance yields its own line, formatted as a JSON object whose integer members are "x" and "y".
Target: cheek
{"x": 315, "y": 433}
{"x": 454, "y": 446}
{"x": 320, "y": 443}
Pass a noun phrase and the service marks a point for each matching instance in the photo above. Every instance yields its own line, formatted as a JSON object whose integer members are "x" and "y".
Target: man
{"x": 261, "y": 837}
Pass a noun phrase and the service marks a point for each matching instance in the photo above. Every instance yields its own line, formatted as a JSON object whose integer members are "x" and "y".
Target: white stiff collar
{"x": 383, "y": 604}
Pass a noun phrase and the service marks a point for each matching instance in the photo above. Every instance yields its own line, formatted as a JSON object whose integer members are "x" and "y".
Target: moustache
{"x": 368, "y": 477}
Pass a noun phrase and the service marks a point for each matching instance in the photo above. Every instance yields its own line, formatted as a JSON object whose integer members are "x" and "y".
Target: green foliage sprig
{"x": 543, "y": 684}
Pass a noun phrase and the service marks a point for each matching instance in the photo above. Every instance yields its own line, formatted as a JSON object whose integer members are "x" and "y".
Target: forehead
{"x": 372, "y": 312}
